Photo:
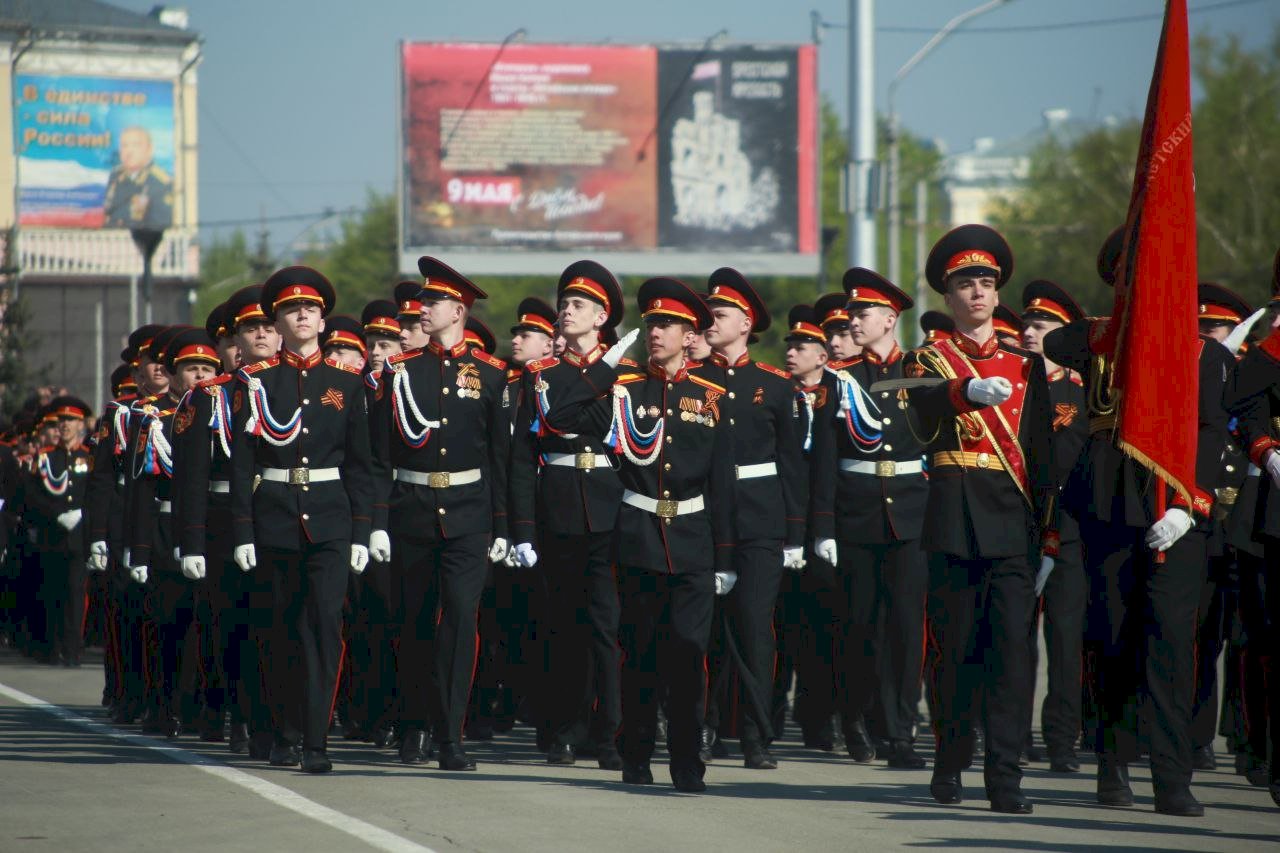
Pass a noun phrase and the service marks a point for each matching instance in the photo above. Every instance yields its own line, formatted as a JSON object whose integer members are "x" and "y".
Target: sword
{"x": 896, "y": 384}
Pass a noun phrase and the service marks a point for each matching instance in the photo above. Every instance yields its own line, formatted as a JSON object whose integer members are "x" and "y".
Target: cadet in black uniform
{"x": 769, "y": 501}
{"x": 409, "y": 316}
{"x": 441, "y": 440}
{"x": 567, "y": 484}
{"x": 879, "y": 501}
{"x": 832, "y": 312}
{"x": 301, "y": 503}
{"x": 1143, "y": 610}
{"x": 1046, "y": 307}
{"x": 988, "y": 427}
{"x": 674, "y": 535}
{"x": 936, "y": 326}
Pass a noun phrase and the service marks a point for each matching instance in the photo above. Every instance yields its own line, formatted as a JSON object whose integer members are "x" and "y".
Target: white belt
{"x": 438, "y": 479}
{"x": 220, "y": 487}
{"x": 165, "y": 506}
{"x": 760, "y": 469}
{"x": 662, "y": 508}
{"x": 881, "y": 468}
{"x": 300, "y": 476}
{"x": 581, "y": 461}
{"x": 1254, "y": 471}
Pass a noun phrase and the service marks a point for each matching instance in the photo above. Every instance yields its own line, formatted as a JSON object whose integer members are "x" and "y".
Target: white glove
{"x": 138, "y": 573}
{"x": 525, "y": 556}
{"x": 193, "y": 567}
{"x": 725, "y": 582}
{"x": 498, "y": 550}
{"x": 177, "y": 553}
{"x": 1171, "y": 527}
{"x": 989, "y": 392}
{"x": 618, "y": 350}
{"x": 359, "y": 558}
{"x": 98, "y": 553}
{"x": 793, "y": 558}
{"x": 510, "y": 560}
{"x": 246, "y": 557}
{"x": 1042, "y": 576}
{"x": 380, "y": 546}
{"x": 826, "y": 549}
{"x": 1273, "y": 466}
{"x": 127, "y": 557}
{"x": 69, "y": 519}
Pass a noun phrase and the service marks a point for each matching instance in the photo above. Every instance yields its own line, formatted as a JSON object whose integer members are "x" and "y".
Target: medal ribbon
{"x": 641, "y": 448}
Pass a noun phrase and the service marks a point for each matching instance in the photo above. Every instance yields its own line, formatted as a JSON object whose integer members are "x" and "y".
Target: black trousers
{"x": 819, "y": 597}
{"x": 437, "y": 587}
{"x": 128, "y": 619}
{"x": 979, "y": 617}
{"x": 1146, "y": 614}
{"x": 580, "y": 623}
{"x": 1066, "y": 595}
{"x": 1254, "y": 662}
{"x": 220, "y": 613}
{"x": 881, "y": 631}
{"x": 64, "y": 589}
{"x": 665, "y": 626}
{"x": 750, "y": 645}
{"x": 170, "y": 608}
{"x": 305, "y": 647}
{"x": 371, "y": 647}
{"x": 1211, "y": 638}
{"x": 1271, "y": 661}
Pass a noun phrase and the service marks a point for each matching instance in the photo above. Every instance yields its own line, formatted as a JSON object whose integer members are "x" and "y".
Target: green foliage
{"x": 17, "y": 376}
{"x": 1077, "y": 194}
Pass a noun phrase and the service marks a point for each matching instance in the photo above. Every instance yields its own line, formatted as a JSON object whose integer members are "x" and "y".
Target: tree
{"x": 17, "y": 376}
{"x": 1078, "y": 193}
{"x": 224, "y": 268}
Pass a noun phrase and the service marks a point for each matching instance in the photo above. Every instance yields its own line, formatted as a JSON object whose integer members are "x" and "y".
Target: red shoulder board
{"x": 220, "y": 379}
{"x": 706, "y": 383}
{"x": 776, "y": 371}
{"x": 251, "y": 369}
{"x": 541, "y": 364}
{"x": 481, "y": 355}
{"x": 513, "y": 374}
{"x": 628, "y": 378}
{"x": 403, "y": 356}
{"x": 348, "y": 368}
{"x": 126, "y": 398}
{"x": 626, "y": 362}
{"x": 848, "y": 362}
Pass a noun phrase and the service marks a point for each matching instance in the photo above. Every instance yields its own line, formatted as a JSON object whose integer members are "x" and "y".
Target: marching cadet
{"x": 810, "y": 603}
{"x": 409, "y": 316}
{"x": 189, "y": 358}
{"x": 343, "y": 341}
{"x": 674, "y": 535}
{"x": 986, "y": 419}
{"x": 880, "y": 499}
{"x": 54, "y": 504}
{"x": 202, "y": 440}
{"x": 1145, "y": 573}
{"x": 1045, "y": 307}
{"x": 381, "y": 333}
{"x": 936, "y": 326}
{"x": 832, "y": 311}
{"x": 769, "y": 501}
{"x": 1008, "y": 325}
{"x": 215, "y": 325}
{"x": 301, "y": 503}
{"x": 441, "y": 440}
{"x": 564, "y": 485}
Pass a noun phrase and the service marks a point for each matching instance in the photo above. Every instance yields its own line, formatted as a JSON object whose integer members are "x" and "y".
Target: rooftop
{"x": 90, "y": 19}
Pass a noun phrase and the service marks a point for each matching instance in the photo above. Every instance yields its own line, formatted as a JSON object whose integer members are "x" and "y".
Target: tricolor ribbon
{"x": 860, "y": 414}
{"x": 404, "y": 405}
{"x": 157, "y": 453}
{"x": 120, "y": 420}
{"x": 641, "y": 448}
{"x": 261, "y": 422}
{"x": 808, "y": 424}
{"x": 56, "y": 486}
{"x": 220, "y": 419}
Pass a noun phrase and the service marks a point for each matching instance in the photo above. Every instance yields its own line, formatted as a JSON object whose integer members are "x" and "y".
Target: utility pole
{"x": 862, "y": 134}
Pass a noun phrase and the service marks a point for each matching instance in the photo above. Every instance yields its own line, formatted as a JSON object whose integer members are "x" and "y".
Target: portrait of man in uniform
{"x": 139, "y": 192}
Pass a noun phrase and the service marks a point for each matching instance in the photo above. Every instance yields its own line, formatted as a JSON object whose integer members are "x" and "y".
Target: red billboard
{"x": 519, "y": 159}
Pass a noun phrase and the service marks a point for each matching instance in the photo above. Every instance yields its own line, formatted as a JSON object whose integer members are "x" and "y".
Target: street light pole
{"x": 862, "y": 138}
{"x": 892, "y": 177}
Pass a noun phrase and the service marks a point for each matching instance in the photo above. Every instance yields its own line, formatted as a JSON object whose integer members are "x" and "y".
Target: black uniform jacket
{"x": 679, "y": 433}
{"x": 1001, "y": 508}
{"x": 56, "y": 483}
{"x": 1254, "y": 398}
{"x": 567, "y": 500}
{"x": 454, "y": 406}
{"x": 760, "y": 405}
{"x": 104, "y": 496}
{"x": 201, "y": 455}
{"x": 1070, "y": 432}
{"x": 1105, "y": 483}
{"x": 148, "y": 532}
{"x": 295, "y": 412}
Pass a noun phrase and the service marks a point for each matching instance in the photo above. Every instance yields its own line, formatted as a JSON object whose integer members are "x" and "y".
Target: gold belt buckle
{"x": 886, "y": 468}
{"x": 299, "y": 477}
{"x": 984, "y": 460}
{"x": 438, "y": 479}
{"x": 584, "y": 461}
{"x": 667, "y": 509}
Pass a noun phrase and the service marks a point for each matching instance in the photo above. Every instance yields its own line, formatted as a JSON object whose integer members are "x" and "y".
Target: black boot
{"x": 1204, "y": 759}
{"x": 239, "y": 742}
{"x": 946, "y": 788}
{"x": 413, "y": 747}
{"x": 1113, "y": 782}
{"x": 756, "y": 756}
{"x": 858, "y": 741}
{"x": 454, "y": 757}
{"x": 1063, "y": 759}
{"x": 903, "y": 756}
{"x": 315, "y": 761}
{"x": 1178, "y": 801}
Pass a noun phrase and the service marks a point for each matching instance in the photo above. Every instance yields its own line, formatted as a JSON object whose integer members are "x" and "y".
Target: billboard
{"x": 94, "y": 152}
{"x": 651, "y": 159}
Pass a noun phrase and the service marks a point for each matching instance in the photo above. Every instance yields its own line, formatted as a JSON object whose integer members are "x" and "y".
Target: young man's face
{"x": 229, "y": 353}
{"x": 728, "y": 325}
{"x": 154, "y": 375}
{"x": 346, "y": 355}
{"x": 667, "y": 338}
{"x": 841, "y": 344}
{"x": 382, "y": 348}
{"x": 804, "y": 357}
{"x": 300, "y": 322}
{"x": 1217, "y": 331}
{"x": 70, "y": 430}
{"x": 971, "y": 298}
{"x": 413, "y": 334}
{"x": 191, "y": 375}
{"x": 257, "y": 339}
{"x": 440, "y": 314}
{"x": 1033, "y": 332}
{"x": 699, "y": 349}
{"x": 529, "y": 346}
{"x": 579, "y": 315}
{"x": 870, "y": 324}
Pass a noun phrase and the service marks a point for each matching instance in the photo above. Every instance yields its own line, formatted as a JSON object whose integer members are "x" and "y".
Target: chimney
{"x": 171, "y": 16}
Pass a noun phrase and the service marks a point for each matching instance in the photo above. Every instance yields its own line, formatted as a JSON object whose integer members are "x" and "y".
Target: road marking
{"x": 374, "y": 836}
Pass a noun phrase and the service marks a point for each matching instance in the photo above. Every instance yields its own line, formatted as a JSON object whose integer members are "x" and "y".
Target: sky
{"x": 298, "y": 97}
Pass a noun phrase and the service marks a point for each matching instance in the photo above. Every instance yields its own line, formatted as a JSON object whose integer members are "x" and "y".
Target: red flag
{"x": 1155, "y": 313}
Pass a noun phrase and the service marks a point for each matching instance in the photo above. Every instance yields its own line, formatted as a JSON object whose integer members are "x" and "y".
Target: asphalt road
{"x": 69, "y": 781}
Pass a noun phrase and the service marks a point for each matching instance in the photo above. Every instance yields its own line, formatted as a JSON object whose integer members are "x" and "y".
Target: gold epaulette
{"x": 706, "y": 383}
{"x": 480, "y": 355}
{"x": 251, "y": 369}
{"x": 776, "y": 371}
{"x": 401, "y": 357}
{"x": 541, "y": 364}
{"x": 333, "y": 362}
